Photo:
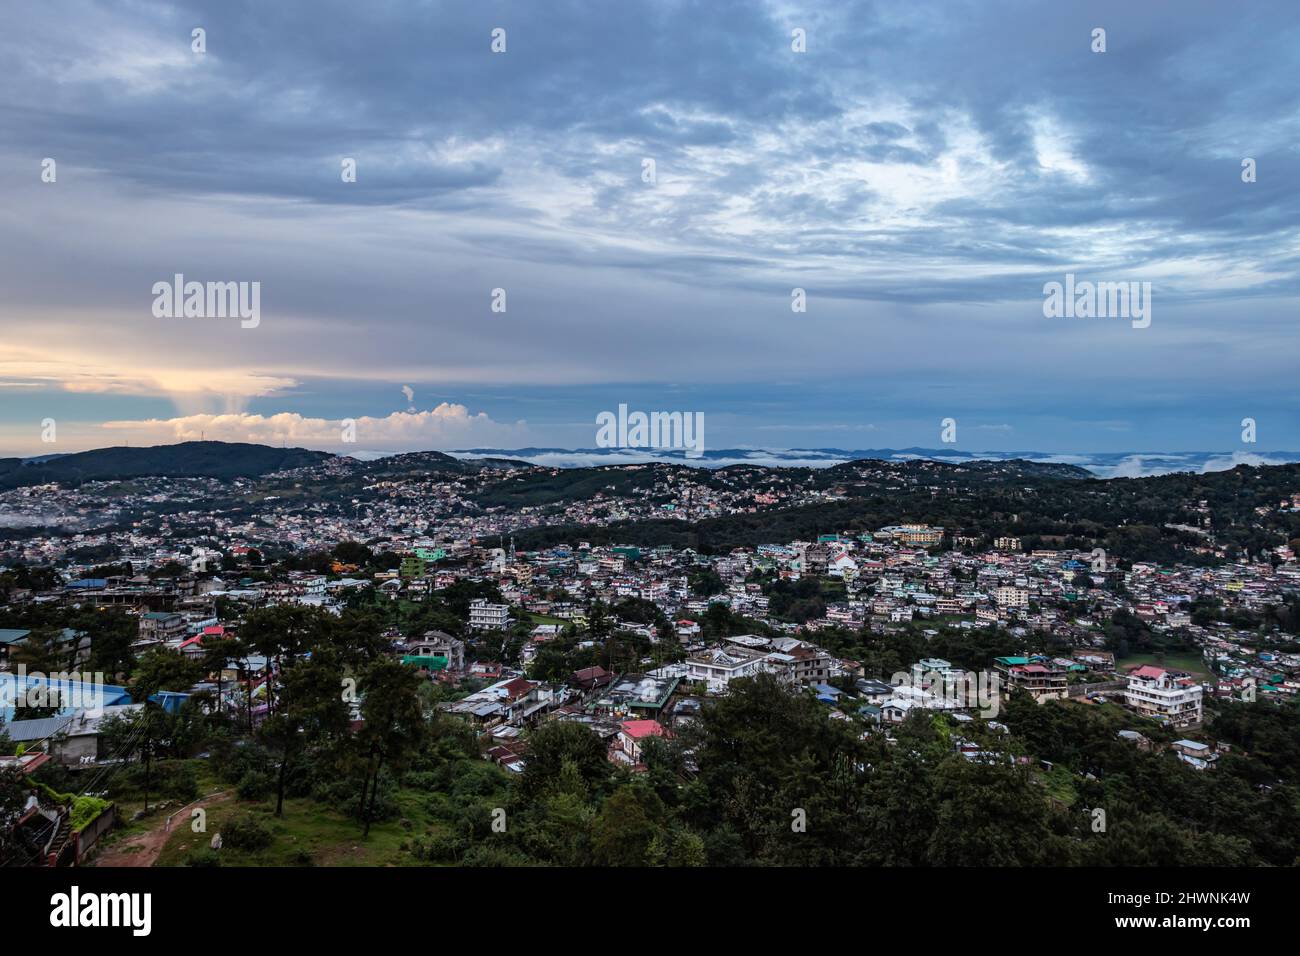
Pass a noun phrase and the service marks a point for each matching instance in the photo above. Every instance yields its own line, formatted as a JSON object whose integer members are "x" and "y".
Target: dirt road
{"x": 143, "y": 849}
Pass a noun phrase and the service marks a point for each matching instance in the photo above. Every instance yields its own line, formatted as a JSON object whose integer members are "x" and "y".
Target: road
{"x": 143, "y": 849}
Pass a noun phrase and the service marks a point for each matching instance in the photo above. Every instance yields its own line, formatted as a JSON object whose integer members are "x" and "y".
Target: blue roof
{"x": 24, "y": 731}
{"x": 88, "y": 695}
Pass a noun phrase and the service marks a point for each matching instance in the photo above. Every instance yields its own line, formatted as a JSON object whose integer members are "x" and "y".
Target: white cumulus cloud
{"x": 446, "y": 426}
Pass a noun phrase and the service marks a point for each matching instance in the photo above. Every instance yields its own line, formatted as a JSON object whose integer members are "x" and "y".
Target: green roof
{"x": 1011, "y": 661}
{"x": 425, "y": 660}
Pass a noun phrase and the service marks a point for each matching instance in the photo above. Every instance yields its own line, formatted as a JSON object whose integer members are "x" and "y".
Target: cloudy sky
{"x": 922, "y": 170}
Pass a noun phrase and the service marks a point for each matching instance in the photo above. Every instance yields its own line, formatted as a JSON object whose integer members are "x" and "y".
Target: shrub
{"x": 246, "y": 832}
{"x": 86, "y": 809}
{"x": 442, "y": 847}
{"x": 253, "y": 785}
{"x": 344, "y": 794}
{"x": 487, "y": 854}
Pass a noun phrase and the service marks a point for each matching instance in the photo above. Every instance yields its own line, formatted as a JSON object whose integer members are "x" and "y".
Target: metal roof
{"x": 21, "y": 731}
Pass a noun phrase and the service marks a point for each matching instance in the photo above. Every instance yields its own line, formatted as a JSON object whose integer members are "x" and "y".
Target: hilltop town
{"x": 519, "y": 624}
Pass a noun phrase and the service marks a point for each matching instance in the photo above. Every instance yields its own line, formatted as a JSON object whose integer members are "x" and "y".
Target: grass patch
{"x": 310, "y": 833}
{"x": 1190, "y": 662}
{"x": 1059, "y": 782}
{"x": 546, "y": 619}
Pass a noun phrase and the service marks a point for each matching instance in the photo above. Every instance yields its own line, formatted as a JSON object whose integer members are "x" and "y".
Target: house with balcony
{"x": 1042, "y": 679}
{"x": 488, "y": 617}
{"x": 800, "y": 662}
{"x": 1166, "y": 696}
{"x": 159, "y": 628}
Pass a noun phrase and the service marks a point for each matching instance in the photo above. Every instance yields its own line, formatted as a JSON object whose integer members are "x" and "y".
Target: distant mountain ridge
{"x": 191, "y": 459}
{"x": 227, "y": 460}
{"x": 217, "y": 459}
{"x": 1124, "y": 464}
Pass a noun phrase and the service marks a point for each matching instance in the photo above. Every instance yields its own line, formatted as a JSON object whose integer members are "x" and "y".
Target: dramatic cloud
{"x": 920, "y": 175}
{"x": 79, "y": 370}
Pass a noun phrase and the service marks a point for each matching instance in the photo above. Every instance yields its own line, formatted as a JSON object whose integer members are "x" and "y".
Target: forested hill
{"x": 191, "y": 459}
{"x": 1177, "y": 517}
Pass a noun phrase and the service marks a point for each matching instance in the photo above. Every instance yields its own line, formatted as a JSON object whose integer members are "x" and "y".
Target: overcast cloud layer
{"x": 922, "y": 170}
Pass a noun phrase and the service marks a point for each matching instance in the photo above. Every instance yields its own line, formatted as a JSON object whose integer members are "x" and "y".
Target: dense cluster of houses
{"x": 913, "y": 577}
{"x": 890, "y": 579}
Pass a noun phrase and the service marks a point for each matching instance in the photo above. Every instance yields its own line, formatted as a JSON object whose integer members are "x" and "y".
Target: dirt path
{"x": 143, "y": 849}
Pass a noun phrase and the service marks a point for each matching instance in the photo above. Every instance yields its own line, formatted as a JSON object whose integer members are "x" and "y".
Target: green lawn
{"x": 1059, "y": 782}
{"x": 544, "y": 619}
{"x": 1191, "y": 663}
{"x": 310, "y": 834}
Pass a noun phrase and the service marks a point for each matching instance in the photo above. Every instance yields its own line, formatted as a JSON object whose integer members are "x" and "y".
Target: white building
{"x": 717, "y": 668}
{"x": 487, "y": 617}
{"x": 1156, "y": 693}
{"x": 1011, "y": 597}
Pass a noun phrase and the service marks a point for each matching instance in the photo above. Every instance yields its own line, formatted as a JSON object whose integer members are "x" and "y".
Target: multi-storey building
{"x": 158, "y": 627}
{"x": 718, "y": 668}
{"x": 440, "y": 644}
{"x": 1165, "y": 696}
{"x": 800, "y": 662}
{"x": 1041, "y": 679}
{"x": 921, "y": 534}
{"x": 488, "y": 617}
{"x": 1011, "y": 597}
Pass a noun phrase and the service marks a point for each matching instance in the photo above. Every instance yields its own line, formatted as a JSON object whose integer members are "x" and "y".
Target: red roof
{"x": 1148, "y": 672}
{"x": 518, "y": 687}
{"x": 27, "y": 762}
{"x": 636, "y": 729}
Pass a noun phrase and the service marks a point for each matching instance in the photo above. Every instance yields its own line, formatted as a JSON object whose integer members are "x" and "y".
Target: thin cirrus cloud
{"x": 920, "y": 176}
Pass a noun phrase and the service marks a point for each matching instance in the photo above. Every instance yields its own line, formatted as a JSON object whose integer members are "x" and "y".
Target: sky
{"x": 921, "y": 170}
